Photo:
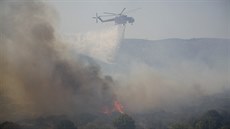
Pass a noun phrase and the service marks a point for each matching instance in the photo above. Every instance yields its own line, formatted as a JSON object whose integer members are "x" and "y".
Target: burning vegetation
{"x": 116, "y": 107}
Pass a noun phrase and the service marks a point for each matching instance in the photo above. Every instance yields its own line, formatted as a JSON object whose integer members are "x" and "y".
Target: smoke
{"x": 174, "y": 75}
{"x": 145, "y": 88}
{"x": 101, "y": 45}
{"x": 39, "y": 75}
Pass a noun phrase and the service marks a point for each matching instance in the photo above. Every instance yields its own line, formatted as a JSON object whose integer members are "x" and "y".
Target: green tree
{"x": 124, "y": 121}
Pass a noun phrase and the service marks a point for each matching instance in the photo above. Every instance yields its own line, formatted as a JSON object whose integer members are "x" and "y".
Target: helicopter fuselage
{"x": 123, "y": 19}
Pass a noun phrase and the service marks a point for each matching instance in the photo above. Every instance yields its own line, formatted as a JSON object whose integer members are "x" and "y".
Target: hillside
{"x": 169, "y": 52}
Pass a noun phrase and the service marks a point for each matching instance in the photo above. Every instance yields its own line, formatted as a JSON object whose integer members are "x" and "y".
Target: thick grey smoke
{"x": 39, "y": 76}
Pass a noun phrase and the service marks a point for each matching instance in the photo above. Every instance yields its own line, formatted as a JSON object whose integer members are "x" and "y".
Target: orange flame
{"x": 118, "y": 107}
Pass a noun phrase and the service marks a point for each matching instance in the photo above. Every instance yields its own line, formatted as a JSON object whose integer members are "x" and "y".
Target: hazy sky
{"x": 157, "y": 19}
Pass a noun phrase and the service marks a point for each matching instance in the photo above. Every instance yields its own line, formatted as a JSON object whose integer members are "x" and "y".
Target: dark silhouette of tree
{"x": 179, "y": 126}
{"x": 124, "y": 121}
{"x": 210, "y": 120}
{"x": 65, "y": 124}
{"x": 97, "y": 126}
{"x": 226, "y": 119}
{"x": 225, "y": 127}
{"x": 9, "y": 125}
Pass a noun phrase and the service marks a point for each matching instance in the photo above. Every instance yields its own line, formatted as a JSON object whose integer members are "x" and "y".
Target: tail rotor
{"x": 96, "y": 18}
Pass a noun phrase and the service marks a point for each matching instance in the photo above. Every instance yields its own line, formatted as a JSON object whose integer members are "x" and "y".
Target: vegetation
{"x": 9, "y": 125}
{"x": 124, "y": 121}
{"x": 211, "y": 119}
{"x": 65, "y": 124}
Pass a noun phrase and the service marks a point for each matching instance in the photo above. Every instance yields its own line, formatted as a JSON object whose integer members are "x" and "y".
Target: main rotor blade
{"x": 122, "y": 11}
{"x": 106, "y": 15}
{"x": 110, "y": 13}
{"x": 133, "y": 10}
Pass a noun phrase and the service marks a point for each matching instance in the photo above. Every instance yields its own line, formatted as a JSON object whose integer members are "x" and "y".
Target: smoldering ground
{"x": 38, "y": 74}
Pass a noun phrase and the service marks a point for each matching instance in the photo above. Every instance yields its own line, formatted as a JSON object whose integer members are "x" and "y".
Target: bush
{"x": 124, "y": 121}
{"x": 9, "y": 125}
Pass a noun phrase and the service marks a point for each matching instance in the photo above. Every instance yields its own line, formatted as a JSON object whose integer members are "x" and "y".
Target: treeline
{"x": 212, "y": 119}
{"x": 63, "y": 124}
{"x": 86, "y": 121}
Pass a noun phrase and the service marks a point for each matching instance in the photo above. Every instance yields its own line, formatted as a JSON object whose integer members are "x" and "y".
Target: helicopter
{"x": 119, "y": 18}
